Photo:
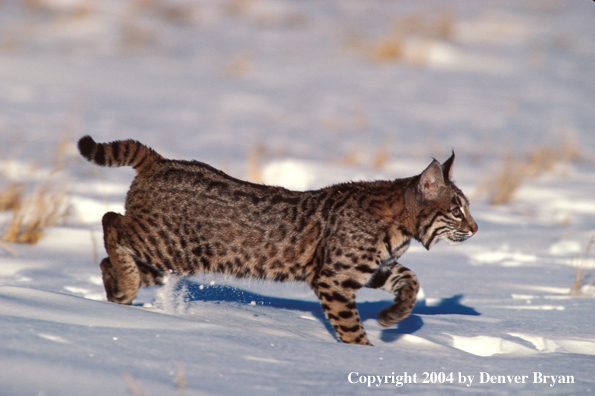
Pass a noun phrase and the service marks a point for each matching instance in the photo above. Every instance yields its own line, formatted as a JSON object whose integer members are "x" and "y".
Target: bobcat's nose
{"x": 474, "y": 228}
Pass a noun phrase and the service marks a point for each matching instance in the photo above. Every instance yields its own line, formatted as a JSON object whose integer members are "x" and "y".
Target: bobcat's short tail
{"x": 119, "y": 153}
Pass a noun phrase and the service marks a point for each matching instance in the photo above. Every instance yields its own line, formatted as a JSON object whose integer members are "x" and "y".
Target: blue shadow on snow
{"x": 367, "y": 310}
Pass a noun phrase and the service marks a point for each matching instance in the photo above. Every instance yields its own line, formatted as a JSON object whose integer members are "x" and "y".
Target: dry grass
{"x": 10, "y": 198}
{"x": 20, "y": 34}
{"x": 239, "y": 66}
{"x": 43, "y": 208}
{"x": 78, "y": 10}
{"x": 380, "y": 158}
{"x": 181, "y": 382}
{"x": 34, "y": 205}
{"x": 376, "y": 158}
{"x": 136, "y": 35}
{"x": 389, "y": 49}
{"x": 6, "y": 247}
{"x": 136, "y": 31}
{"x": 407, "y": 38}
{"x": 255, "y": 159}
{"x": 66, "y": 148}
{"x": 545, "y": 158}
{"x": 501, "y": 187}
{"x": 262, "y": 17}
{"x": 439, "y": 26}
{"x": 581, "y": 276}
{"x": 132, "y": 384}
{"x": 506, "y": 182}
{"x": 238, "y": 8}
{"x": 382, "y": 154}
{"x": 356, "y": 119}
{"x": 167, "y": 11}
{"x": 353, "y": 157}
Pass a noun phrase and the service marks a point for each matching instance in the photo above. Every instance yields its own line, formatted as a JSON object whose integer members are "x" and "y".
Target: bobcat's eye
{"x": 456, "y": 212}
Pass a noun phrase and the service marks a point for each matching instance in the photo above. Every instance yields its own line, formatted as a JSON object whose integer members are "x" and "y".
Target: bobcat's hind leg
{"x": 121, "y": 277}
{"x": 109, "y": 278}
{"x": 403, "y": 283}
{"x": 149, "y": 275}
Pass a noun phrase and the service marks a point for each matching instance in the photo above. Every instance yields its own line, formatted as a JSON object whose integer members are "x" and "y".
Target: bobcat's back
{"x": 202, "y": 220}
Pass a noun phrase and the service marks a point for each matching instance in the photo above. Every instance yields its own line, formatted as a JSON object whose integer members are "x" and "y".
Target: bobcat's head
{"x": 443, "y": 208}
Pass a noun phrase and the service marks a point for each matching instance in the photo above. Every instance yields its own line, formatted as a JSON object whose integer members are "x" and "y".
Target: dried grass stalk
{"x": 389, "y": 49}
{"x": 381, "y": 158}
{"x": 544, "y": 159}
{"x": 507, "y": 182}
{"x": 11, "y": 197}
{"x": 254, "y": 163}
{"x": 181, "y": 382}
{"x": 43, "y": 208}
{"x": 132, "y": 384}
{"x": 581, "y": 276}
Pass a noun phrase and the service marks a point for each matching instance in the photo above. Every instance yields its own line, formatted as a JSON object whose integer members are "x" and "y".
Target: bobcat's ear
{"x": 431, "y": 181}
{"x": 447, "y": 167}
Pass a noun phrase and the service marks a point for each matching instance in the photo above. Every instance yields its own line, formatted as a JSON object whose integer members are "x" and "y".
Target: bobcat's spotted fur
{"x": 185, "y": 217}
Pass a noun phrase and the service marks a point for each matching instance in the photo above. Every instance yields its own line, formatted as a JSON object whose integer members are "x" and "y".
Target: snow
{"x": 292, "y": 93}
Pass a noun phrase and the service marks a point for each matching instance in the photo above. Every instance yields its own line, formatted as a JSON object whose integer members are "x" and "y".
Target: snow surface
{"x": 292, "y": 93}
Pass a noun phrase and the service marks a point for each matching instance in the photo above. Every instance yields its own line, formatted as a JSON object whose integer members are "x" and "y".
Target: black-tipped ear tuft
{"x": 87, "y": 146}
{"x": 447, "y": 166}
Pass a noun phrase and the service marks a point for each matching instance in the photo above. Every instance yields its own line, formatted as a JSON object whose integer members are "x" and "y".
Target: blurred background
{"x": 344, "y": 89}
{"x": 303, "y": 94}
{"x": 299, "y": 93}
{"x": 329, "y": 80}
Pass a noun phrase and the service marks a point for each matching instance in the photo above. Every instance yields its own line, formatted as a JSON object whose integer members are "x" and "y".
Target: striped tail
{"x": 119, "y": 153}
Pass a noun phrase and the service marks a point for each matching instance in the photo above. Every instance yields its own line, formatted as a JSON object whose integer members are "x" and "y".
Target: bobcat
{"x": 186, "y": 217}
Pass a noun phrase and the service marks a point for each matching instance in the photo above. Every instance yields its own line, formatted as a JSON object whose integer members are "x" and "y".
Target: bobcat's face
{"x": 458, "y": 222}
{"x": 450, "y": 221}
{"x": 444, "y": 210}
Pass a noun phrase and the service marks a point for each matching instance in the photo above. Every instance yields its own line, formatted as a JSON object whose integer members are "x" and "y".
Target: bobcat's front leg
{"x": 341, "y": 311}
{"x": 338, "y": 302}
{"x": 403, "y": 283}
